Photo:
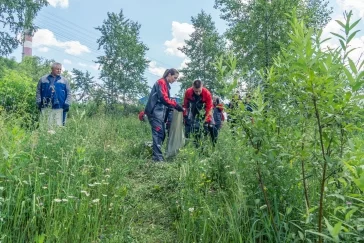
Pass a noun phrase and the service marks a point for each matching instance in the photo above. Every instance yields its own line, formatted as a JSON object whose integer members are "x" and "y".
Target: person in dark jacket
{"x": 157, "y": 110}
{"x": 197, "y": 106}
{"x": 54, "y": 92}
{"x": 218, "y": 116}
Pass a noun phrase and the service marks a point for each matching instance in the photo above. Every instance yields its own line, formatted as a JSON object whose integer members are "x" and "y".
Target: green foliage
{"x": 16, "y": 17}
{"x": 17, "y": 94}
{"x": 124, "y": 62}
{"x": 257, "y": 29}
{"x": 83, "y": 85}
{"x": 35, "y": 67}
{"x": 202, "y": 49}
{"x": 5, "y": 64}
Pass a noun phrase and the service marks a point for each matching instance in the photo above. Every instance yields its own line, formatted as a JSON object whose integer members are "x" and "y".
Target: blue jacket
{"x": 54, "y": 92}
{"x": 159, "y": 100}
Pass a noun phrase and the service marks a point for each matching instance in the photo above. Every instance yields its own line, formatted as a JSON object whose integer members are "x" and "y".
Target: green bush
{"x": 17, "y": 94}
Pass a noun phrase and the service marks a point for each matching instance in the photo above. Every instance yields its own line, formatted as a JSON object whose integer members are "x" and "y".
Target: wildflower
{"x": 1, "y": 188}
{"x": 52, "y": 132}
{"x": 191, "y": 210}
{"x": 71, "y": 196}
{"x": 232, "y": 172}
{"x": 104, "y": 195}
{"x": 42, "y": 173}
{"x": 263, "y": 207}
{"x": 96, "y": 200}
{"x": 45, "y": 187}
{"x": 57, "y": 200}
{"x": 107, "y": 170}
{"x": 86, "y": 193}
{"x": 91, "y": 185}
{"x": 64, "y": 200}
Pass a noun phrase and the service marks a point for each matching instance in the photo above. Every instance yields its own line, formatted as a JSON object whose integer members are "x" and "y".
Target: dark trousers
{"x": 196, "y": 130}
{"x": 158, "y": 135}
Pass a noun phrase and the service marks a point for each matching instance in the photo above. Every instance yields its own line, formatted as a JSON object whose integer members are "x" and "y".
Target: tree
{"x": 16, "y": 17}
{"x": 35, "y": 67}
{"x": 202, "y": 49}
{"x": 124, "y": 62}
{"x": 83, "y": 85}
{"x": 258, "y": 28}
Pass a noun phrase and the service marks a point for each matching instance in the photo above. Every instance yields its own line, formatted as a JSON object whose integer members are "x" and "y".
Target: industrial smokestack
{"x": 27, "y": 44}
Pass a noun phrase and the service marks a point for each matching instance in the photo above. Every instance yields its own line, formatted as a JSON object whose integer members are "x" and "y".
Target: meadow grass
{"x": 93, "y": 181}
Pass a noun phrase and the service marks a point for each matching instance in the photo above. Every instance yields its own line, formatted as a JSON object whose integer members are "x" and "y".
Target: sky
{"x": 67, "y": 30}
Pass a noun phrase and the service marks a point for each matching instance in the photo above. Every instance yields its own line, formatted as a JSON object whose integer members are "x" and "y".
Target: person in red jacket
{"x": 157, "y": 109}
{"x": 198, "y": 109}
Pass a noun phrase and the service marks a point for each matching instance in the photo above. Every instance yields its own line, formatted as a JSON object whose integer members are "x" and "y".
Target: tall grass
{"x": 92, "y": 181}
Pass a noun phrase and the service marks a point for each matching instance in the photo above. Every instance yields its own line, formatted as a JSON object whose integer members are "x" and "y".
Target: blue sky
{"x": 67, "y": 31}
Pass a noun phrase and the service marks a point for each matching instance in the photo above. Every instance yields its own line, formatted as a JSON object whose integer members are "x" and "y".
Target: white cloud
{"x": 46, "y": 38}
{"x": 66, "y": 61}
{"x": 43, "y": 49}
{"x": 355, "y": 5}
{"x": 180, "y": 33}
{"x": 358, "y": 43}
{"x": 184, "y": 63}
{"x": 155, "y": 69}
{"x": 58, "y": 3}
{"x": 82, "y": 64}
{"x": 96, "y": 66}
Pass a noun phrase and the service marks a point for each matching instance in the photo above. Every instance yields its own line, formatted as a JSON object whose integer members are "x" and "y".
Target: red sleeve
{"x": 208, "y": 106}
{"x": 186, "y": 104}
{"x": 163, "y": 94}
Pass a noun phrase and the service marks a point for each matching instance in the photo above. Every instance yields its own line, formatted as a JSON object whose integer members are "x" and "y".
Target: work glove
{"x": 207, "y": 125}
{"x": 66, "y": 107}
{"x": 179, "y": 108}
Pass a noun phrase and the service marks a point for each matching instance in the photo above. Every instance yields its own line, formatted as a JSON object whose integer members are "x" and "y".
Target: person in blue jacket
{"x": 53, "y": 91}
{"x": 157, "y": 110}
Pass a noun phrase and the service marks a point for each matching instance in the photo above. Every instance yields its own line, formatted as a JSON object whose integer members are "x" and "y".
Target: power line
{"x": 50, "y": 19}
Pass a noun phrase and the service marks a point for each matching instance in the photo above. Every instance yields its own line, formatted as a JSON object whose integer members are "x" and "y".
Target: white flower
{"x": 96, "y": 200}
{"x": 232, "y": 172}
{"x": 86, "y": 193}
{"x": 104, "y": 195}
{"x": 52, "y": 132}
{"x": 57, "y": 200}
{"x": 64, "y": 200}
{"x": 191, "y": 210}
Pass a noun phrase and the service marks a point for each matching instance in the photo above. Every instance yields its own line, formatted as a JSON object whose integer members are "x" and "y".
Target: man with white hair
{"x": 54, "y": 95}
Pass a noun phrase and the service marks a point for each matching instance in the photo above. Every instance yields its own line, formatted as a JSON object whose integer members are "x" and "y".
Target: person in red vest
{"x": 198, "y": 110}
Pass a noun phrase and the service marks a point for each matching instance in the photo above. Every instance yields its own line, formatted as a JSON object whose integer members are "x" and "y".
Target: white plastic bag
{"x": 176, "y": 138}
